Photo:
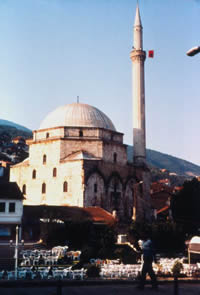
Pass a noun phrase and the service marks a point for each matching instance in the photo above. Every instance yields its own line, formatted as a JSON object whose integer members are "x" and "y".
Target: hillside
{"x": 164, "y": 161}
{"x": 13, "y": 129}
{"x": 14, "y": 132}
{"x": 9, "y": 130}
{"x": 13, "y": 151}
{"x": 14, "y": 125}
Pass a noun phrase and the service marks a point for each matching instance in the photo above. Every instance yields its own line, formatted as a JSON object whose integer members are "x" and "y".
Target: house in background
{"x": 4, "y": 170}
{"x": 11, "y": 209}
{"x": 161, "y": 193}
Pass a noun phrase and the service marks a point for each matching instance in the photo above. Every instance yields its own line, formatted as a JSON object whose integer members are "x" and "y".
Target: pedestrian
{"x": 148, "y": 256}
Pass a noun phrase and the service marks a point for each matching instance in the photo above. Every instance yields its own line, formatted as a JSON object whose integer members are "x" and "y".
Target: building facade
{"x": 80, "y": 162}
{"x": 11, "y": 209}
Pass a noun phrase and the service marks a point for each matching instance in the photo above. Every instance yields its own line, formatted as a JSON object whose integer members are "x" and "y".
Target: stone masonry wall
{"x": 109, "y": 149}
{"x": 115, "y": 187}
{"x": 52, "y": 133}
{"x": 50, "y": 148}
{"x": 71, "y": 172}
{"x": 69, "y": 146}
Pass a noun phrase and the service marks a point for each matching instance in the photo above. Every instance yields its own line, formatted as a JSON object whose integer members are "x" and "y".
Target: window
{"x": 34, "y": 174}
{"x": 80, "y": 133}
{"x": 115, "y": 157}
{"x": 95, "y": 187}
{"x": 11, "y": 207}
{"x": 44, "y": 188}
{"x": 5, "y": 231}
{"x": 44, "y": 159}
{"x": 24, "y": 189}
{"x": 65, "y": 187}
{"x": 2, "y": 206}
{"x": 47, "y": 135}
{"x": 54, "y": 172}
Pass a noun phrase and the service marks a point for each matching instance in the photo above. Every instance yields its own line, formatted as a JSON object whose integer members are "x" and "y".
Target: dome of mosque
{"x": 77, "y": 115}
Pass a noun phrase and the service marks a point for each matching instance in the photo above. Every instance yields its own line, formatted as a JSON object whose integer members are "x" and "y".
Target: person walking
{"x": 148, "y": 256}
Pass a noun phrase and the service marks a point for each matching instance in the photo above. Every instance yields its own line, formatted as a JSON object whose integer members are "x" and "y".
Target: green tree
{"x": 186, "y": 204}
{"x": 167, "y": 236}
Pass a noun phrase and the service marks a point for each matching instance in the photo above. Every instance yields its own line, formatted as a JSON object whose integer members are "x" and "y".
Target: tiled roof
{"x": 66, "y": 213}
{"x": 100, "y": 215}
{"x": 163, "y": 209}
{"x": 160, "y": 199}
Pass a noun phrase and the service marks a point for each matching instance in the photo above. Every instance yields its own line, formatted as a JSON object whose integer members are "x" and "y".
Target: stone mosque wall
{"x": 93, "y": 147}
{"x": 80, "y": 166}
{"x": 53, "y": 177}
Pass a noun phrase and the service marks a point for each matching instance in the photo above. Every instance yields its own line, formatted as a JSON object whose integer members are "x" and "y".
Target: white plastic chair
{"x": 22, "y": 274}
{"x": 78, "y": 274}
{"x": 11, "y": 275}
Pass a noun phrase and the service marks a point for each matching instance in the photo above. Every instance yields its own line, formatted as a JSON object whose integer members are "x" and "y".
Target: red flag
{"x": 151, "y": 53}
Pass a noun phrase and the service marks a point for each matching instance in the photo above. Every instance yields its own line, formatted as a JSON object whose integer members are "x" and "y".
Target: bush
{"x": 176, "y": 268}
{"x": 125, "y": 254}
{"x": 87, "y": 254}
{"x": 53, "y": 233}
{"x": 93, "y": 271}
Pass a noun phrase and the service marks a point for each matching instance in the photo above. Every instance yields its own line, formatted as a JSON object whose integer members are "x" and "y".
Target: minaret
{"x": 138, "y": 57}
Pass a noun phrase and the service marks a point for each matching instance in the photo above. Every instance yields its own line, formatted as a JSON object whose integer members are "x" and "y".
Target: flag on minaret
{"x": 151, "y": 53}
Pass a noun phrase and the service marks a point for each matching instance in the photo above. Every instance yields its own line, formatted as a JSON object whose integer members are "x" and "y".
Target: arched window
{"x": 24, "y": 189}
{"x": 80, "y": 133}
{"x": 65, "y": 187}
{"x": 95, "y": 188}
{"x": 34, "y": 174}
{"x": 115, "y": 157}
{"x": 47, "y": 135}
{"x": 54, "y": 172}
{"x": 44, "y": 188}
{"x": 44, "y": 159}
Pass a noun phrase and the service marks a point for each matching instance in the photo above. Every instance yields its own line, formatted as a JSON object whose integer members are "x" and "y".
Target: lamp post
{"x": 16, "y": 245}
{"x": 193, "y": 51}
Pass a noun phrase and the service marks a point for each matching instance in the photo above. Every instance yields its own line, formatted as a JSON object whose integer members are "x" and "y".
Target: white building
{"x": 11, "y": 209}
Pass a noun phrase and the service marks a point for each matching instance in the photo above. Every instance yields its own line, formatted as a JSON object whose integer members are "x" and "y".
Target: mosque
{"x": 78, "y": 158}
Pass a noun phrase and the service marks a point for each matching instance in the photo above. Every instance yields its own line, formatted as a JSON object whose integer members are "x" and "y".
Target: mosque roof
{"x": 77, "y": 115}
{"x": 80, "y": 155}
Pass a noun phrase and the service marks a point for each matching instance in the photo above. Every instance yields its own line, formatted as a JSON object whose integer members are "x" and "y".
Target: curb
{"x": 65, "y": 283}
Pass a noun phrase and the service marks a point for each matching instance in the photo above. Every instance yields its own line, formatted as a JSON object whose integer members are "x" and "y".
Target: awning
{"x": 194, "y": 245}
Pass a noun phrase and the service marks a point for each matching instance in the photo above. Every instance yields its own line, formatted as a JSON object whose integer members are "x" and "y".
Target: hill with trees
{"x": 12, "y": 150}
{"x": 176, "y": 169}
{"x": 172, "y": 164}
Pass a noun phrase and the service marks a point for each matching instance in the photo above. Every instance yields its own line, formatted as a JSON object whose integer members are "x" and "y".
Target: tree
{"x": 167, "y": 236}
{"x": 186, "y": 204}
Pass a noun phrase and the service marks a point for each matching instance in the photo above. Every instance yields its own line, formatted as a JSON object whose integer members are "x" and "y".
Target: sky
{"x": 52, "y": 51}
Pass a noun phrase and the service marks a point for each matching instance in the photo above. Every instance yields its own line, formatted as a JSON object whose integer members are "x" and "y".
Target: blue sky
{"x": 52, "y": 51}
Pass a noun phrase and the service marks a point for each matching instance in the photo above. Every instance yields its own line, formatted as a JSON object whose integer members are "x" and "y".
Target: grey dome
{"x": 77, "y": 115}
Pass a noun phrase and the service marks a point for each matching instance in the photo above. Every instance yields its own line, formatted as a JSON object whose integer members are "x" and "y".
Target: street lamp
{"x": 193, "y": 51}
{"x": 16, "y": 246}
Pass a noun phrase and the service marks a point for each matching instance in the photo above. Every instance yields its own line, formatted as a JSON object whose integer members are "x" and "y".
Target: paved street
{"x": 185, "y": 289}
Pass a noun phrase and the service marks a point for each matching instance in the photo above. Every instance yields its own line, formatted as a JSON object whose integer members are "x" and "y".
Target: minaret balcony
{"x": 138, "y": 54}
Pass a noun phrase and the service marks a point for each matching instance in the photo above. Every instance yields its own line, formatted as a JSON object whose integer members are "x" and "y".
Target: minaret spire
{"x": 137, "y": 18}
{"x": 138, "y": 57}
{"x": 137, "y": 30}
